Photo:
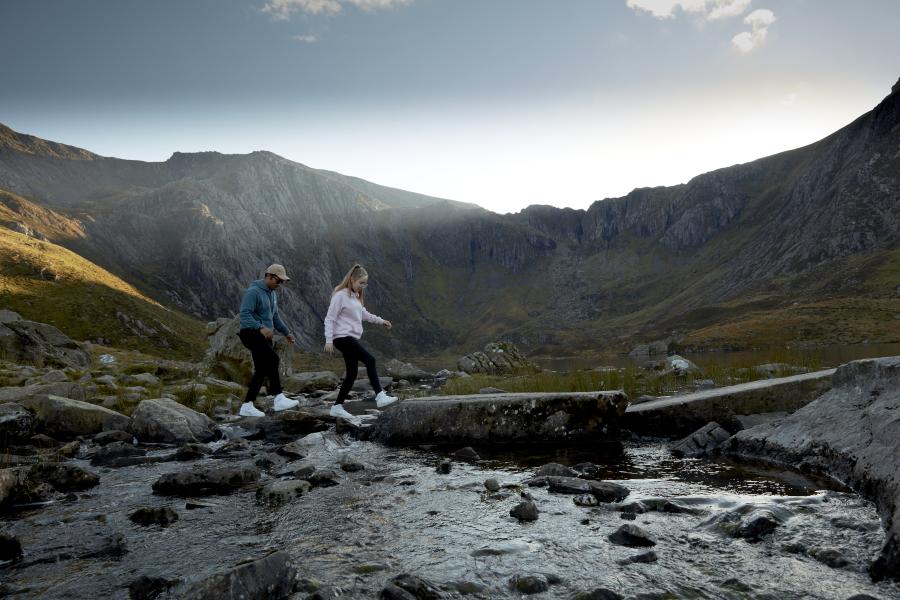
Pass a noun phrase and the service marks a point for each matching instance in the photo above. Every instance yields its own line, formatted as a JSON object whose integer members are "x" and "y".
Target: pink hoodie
{"x": 345, "y": 316}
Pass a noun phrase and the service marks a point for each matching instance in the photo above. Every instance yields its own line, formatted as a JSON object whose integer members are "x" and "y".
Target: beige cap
{"x": 278, "y": 271}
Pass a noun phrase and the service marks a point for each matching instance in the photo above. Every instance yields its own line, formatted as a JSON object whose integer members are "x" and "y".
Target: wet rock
{"x": 632, "y": 536}
{"x": 833, "y": 557}
{"x": 113, "y": 546}
{"x": 272, "y": 577}
{"x": 862, "y": 597}
{"x": 44, "y": 441}
{"x": 166, "y": 421}
{"x": 625, "y": 516}
{"x": 645, "y": 557}
{"x": 107, "y": 455}
{"x": 66, "y": 418}
{"x": 736, "y": 585}
{"x": 203, "y": 481}
{"x": 444, "y": 467}
{"x": 311, "y": 381}
{"x": 108, "y": 437}
{"x": 469, "y": 588}
{"x": 588, "y": 470}
{"x": 277, "y": 493}
{"x": 232, "y": 448}
{"x": 292, "y": 450}
{"x": 467, "y": 453}
{"x": 757, "y": 524}
{"x": 284, "y": 427}
{"x": 702, "y": 442}
{"x": 10, "y": 547}
{"x": 323, "y": 478}
{"x": 147, "y": 587}
{"x": 69, "y": 450}
{"x": 401, "y": 370}
{"x": 16, "y": 421}
{"x": 63, "y": 477}
{"x": 192, "y": 452}
{"x": 154, "y": 515}
{"x": 555, "y": 470}
{"x": 604, "y": 491}
{"x": 9, "y": 480}
{"x": 524, "y": 511}
{"x": 351, "y": 465}
{"x": 529, "y": 584}
{"x": 597, "y": 594}
{"x": 410, "y": 587}
{"x": 492, "y": 485}
{"x": 586, "y": 500}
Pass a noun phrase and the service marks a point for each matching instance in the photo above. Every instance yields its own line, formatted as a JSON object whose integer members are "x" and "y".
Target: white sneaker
{"x": 338, "y": 410}
{"x": 282, "y": 402}
{"x": 382, "y": 399}
{"x": 248, "y": 410}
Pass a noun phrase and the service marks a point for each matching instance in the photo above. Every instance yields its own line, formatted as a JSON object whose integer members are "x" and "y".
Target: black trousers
{"x": 265, "y": 364}
{"x": 354, "y": 353}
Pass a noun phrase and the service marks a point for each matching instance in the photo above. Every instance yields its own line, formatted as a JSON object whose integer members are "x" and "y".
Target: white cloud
{"x": 709, "y": 9}
{"x": 306, "y": 39}
{"x": 282, "y": 10}
{"x": 790, "y": 99}
{"x": 759, "y": 21}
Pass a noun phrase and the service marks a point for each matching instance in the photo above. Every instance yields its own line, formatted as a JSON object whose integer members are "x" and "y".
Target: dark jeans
{"x": 265, "y": 364}
{"x": 354, "y": 353}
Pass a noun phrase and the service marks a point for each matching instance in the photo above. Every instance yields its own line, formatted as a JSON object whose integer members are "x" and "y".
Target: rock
{"x": 227, "y": 358}
{"x": 107, "y": 455}
{"x": 8, "y": 483}
{"x": 444, "y": 467}
{"x": 107, "y": 380}
{"x": 861, "y": 451}
{"x": 401, "y": 370}
{"x": 192, "y": 452}
{"x": 277, "y": 493}
{"x": 833, "y": 557}
{"x": 63, "y": 477}
{"x": 209, "y": 480}
{"x": 492, "y": 485}
{"x": 166, "y": 421}
{"x": 588, "y": 470}
{"x": 645, "y": 557}
{"x": 586, "y": 500}
{"x": 632, "y": 536}
{"x": 524, "y": 511}
{"x": 292, "y": 450}
{"x": 598, "y": 594}
{"x": 362, "y": 384}
{"x": 323, "y": 478}
{"x": 108, "y": 437}
{"x": 8, "y": 316}
{"x": 757, "y": 524}
{"x": 154, "y": 515}
{"x": 350, "y": 465}
{"x": 284, "y": 427}
{"x": 272, "y": 577}
{"x": 53, "y": 376}
{"x": 16, "y": 422}
{"x": 410, "y": 587}
{"x": 651, "y": 349}
{"x": 529, "y": 584}
{"x": 64, "y": 418}
{"x": 704, "y": 384}
{"x": 498, "y": 358}
{"x": 604, "y": 491}
{"x": 10, "y": 547}
{"x": 702, "y": 442}
{"x": 555, "y": 470}
{"x": 146, "y": 587}
{"x": 40, "y": 344}
{"x": 142, "y": 379}
{"x": 467, "y": 453}
{"x": 679, "y": 366}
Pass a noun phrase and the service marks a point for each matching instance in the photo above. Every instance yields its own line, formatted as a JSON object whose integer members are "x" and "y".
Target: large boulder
{"x": 204, "y": 481}
{"x": 20, "y": 394}
{"x": 851, "y": 433}
{"x": 166, "y": 421}
{"x": 16, "y": 421}
{"x": 496, "y": 359}
{"x": 401, "y": 370}
{"x": 39, "y": 344}
{"x": 272, "y": 577}
{"x": 310, "y": 381}
{"x": 61, "y": 417}
{"x": 227, "y": 358}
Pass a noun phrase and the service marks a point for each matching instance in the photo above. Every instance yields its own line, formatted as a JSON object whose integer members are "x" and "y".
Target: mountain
{"x": 799, "y": 246}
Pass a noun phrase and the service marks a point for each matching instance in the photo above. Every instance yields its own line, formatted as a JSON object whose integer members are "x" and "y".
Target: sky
{"x": 504, "y": 103}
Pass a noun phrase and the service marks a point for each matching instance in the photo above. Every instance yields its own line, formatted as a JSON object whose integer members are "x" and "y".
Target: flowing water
{"x": 399, "y": 515}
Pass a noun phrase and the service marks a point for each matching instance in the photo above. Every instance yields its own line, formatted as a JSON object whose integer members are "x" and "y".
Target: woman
{"x": 343, "y": 328}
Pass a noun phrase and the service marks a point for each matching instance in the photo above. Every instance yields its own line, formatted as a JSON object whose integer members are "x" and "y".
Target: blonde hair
{"x": 355, "y": 273}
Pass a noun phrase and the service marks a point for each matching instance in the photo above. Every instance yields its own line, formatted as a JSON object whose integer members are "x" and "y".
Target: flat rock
{"x": 66, "y": 418}
{"x": 272, "y": 577}
{"x": 166, "y": 421}
{"x": 63, "y": 477}
{"x": 105, "y": 455}
{"x": 702, "y": 442}
{"x": 209, "y": 480}
{"x": 604, "y": 491}
{"x": 632, "y": 536}
{"x": 154, "y": 515}
{"x": 107, "y": 437}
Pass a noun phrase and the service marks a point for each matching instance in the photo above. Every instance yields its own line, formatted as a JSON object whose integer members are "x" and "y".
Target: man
{"x": 259, "y": 319}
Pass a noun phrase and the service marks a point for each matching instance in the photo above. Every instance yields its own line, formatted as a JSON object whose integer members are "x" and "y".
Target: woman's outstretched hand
{"x": 387, "y": 324}
{"x": 329, "y": 347}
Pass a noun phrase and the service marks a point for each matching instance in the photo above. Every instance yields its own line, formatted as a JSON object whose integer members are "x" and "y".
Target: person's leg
{"x": 254, "y": 341}
{"x": 273, "y": 388}
{"x": 367, "y": 359}
{"x": 348, "y": 350}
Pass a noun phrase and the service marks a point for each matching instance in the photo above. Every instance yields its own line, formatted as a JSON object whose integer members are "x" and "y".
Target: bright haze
{"x": 504, "y": 103}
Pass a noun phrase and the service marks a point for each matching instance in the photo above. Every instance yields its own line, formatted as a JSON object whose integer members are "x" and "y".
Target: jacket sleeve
{"x": 277, "y": 322}
{"x": 334, "y": 309}
{"x": 367, "y": 316}
{"x": 248, "y": 310}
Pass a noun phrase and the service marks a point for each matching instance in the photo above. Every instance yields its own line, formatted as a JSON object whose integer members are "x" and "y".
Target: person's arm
{"x": 248, "y": 310}
{"x": 334, "y": 309}
{"x": 278, "y": 323}
{"x": 367, "y": 316}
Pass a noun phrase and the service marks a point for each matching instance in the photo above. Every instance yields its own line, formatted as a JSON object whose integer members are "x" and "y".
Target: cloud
{"x": 282, "y": 10}
{"x": 759, "y": 21}
{"x": 306, "y": 39}
{"x": 709, "y": 9}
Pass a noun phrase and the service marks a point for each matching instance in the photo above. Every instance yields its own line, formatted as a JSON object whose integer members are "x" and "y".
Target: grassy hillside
{"x": 45, "y": 282}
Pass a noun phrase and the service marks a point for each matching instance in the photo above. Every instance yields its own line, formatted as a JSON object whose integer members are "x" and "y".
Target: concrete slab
{"x": 681, "y": 415}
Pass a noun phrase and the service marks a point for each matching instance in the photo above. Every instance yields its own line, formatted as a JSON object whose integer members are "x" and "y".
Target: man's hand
{"x": 290, "y": 338}
{"x": 329, "y": 347}
{"x": 267, "y": 333}
{"x": 387, "y": 324}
